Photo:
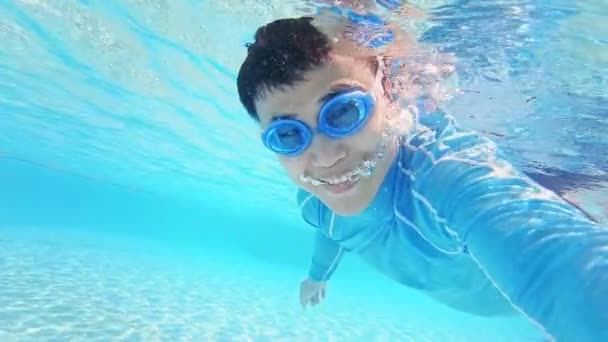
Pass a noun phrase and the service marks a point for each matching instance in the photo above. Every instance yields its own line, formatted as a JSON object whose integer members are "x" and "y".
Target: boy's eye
{"x": 287, "y": 132}
{"x": 344, "y": 116}
{"x": 289, "y": 136}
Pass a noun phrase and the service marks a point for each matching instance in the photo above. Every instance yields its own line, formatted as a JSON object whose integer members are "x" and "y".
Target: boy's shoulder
{"x": 310, "y": 207}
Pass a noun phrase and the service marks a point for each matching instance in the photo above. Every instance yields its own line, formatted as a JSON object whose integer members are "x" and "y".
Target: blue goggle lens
{"x": 345, "y": 114}
{"x": 287, "y": 137}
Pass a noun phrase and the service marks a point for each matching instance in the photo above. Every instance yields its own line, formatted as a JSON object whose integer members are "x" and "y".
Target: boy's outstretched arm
{"x": 545, "y": 256}
{"x": 326, "y": 253}
{"x": 326, "y": 257}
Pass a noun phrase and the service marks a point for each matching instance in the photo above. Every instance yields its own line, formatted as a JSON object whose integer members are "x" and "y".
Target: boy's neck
{"x": 386, "y": 163}
{"x": 379, "y": 207}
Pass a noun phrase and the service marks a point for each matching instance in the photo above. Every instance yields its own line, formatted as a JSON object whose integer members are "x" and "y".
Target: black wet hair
{"x": 282, "y": 52}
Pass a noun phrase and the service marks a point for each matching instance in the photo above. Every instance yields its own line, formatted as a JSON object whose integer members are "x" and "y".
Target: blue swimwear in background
{"x": 455, "y": 220}
{"x": 389, "y": 4}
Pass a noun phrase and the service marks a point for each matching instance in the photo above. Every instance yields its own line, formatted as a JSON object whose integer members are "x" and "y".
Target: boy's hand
{"x": 312, "y": 292}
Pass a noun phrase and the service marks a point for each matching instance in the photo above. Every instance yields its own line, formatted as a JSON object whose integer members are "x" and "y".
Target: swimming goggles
{"x": 341, "y": 116}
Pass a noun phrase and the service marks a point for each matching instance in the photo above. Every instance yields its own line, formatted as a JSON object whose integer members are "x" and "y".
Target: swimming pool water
{"x": 136, "y": 202}
{"x": 118, "y": 289}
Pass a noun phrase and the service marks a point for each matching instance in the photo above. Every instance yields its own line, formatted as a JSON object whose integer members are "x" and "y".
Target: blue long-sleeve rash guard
{"x": 454, "y": 219}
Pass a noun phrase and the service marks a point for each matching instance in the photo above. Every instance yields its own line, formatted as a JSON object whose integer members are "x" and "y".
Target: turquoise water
{"x": 136, "y": 202}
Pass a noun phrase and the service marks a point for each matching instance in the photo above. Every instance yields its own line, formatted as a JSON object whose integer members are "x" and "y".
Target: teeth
{"x": 353, "y": 176}
{"x": 315, "y": 182}
{"x": 366, "y": 169}
{"x": 342, "y": 179}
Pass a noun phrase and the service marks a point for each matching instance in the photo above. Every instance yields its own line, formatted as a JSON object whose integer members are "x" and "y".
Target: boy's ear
{"x": 379, "y": 66}
{"x": 387, "y": 86}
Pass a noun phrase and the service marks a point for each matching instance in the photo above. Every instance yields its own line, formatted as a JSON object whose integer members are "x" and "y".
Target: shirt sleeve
{"x": 327, "y": 253}
{"x": 545, "y": 256}
{"x": 325, "y": 258}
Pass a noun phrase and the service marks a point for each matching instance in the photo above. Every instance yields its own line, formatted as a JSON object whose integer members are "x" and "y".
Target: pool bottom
{"x": 68, "y": 285}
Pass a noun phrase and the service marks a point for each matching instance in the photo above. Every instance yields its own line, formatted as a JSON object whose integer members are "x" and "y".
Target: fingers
{"x": 314, "y": 299}
{"x": 304, "y": 299}
{"x": 311, "y": 293}
{"x": 318, "y": 297}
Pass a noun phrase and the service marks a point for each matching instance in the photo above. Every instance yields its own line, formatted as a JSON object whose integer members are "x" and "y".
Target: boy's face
{"x": 327, "y": 159}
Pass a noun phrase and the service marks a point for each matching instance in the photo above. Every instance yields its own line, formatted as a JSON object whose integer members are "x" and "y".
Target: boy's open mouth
{"x": 366, "y": 169}
{"x": 348, "y": 180}
{"x": 342, "y": 187}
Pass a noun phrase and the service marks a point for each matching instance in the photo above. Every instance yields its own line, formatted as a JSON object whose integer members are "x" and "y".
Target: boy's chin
{"x": 348, "y": 203}
{"x": 350, "y": 208}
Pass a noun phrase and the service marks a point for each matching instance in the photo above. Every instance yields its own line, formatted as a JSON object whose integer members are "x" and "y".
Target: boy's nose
{"x": 327, "y": 152}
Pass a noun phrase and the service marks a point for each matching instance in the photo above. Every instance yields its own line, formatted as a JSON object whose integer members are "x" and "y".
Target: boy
{"x": 430, "y": 205}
